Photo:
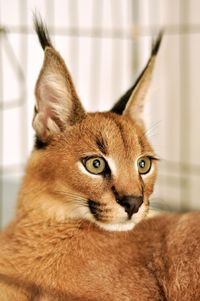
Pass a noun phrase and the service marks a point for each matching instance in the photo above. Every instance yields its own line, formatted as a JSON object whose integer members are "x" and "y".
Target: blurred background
{"x": 105, "y": 44}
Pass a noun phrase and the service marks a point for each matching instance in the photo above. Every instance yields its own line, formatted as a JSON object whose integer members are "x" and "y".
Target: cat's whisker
{"x": 151, "y": 135}
{"x": 71, "y": 196}
{"x": 152, "y": 127}
{"x": 63, "y": 192}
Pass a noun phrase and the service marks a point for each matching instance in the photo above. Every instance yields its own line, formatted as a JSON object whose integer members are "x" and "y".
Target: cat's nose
{"x": 130, "y": 203}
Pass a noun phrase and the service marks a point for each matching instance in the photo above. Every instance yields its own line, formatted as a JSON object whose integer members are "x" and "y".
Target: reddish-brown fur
{"x": 55, "y": 249}
{"x": 46, "y": 260}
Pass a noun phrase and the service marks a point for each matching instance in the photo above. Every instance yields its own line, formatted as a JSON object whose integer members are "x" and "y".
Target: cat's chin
{"x": 116, "y": 227}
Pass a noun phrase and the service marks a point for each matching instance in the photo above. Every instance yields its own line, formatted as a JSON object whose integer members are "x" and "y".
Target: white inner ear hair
{"x": 54, "y": 95}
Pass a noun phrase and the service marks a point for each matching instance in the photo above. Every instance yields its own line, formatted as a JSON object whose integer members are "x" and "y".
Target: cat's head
{"x": 94, "y": 166}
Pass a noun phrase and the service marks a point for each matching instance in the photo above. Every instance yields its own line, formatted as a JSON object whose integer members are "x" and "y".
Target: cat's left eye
{"x": 144, "y": 165}
{"x": 95, "y": 165}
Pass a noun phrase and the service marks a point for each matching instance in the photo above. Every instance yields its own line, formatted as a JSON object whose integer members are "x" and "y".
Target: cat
{"x": 80, "y": 231}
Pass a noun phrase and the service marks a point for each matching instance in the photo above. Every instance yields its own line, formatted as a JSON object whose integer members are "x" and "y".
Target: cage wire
{"x": 105, "y": 45}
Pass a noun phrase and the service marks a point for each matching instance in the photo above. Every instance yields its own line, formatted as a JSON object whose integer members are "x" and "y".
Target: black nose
{"x": 130, "y": 203}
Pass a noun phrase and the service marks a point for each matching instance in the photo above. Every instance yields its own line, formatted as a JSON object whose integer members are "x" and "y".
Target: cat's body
{"x": 78, "y": 233}
{"x": 158, "y": 260}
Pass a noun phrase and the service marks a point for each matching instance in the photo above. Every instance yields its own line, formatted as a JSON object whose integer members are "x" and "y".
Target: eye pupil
{"x": 142, "y": 163}
{"x": 96, "y": 163}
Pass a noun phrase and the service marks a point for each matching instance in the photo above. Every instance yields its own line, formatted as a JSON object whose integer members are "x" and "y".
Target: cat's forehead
{"x": 110, "y": 133}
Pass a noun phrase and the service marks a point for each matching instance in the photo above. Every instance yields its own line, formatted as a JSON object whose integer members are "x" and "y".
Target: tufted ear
{"x": 132, "y": 102}
{"x": 57, "y": 104}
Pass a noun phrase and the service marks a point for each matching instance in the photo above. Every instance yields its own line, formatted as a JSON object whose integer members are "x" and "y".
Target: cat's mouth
{"x": 103, "y": 214}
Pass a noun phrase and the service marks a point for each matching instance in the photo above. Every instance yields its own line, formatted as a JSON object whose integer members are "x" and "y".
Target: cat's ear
{"x": 57, "y": 103}
{"x": 132, "y": 102}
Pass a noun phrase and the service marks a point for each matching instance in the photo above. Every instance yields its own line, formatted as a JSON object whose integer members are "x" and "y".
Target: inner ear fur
{"x": 57, "y": 104}
{"x": 132, "y": 102}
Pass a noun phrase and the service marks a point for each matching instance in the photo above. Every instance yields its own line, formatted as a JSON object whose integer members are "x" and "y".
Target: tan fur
{"x": 56, "y": 249}
{"x": 158, "y": 260}
{"x": 63, "y": 186}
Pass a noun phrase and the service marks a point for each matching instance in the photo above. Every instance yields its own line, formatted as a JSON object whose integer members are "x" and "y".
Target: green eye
{"x": 144, "y": 165}
{"x": 95, "y": 165}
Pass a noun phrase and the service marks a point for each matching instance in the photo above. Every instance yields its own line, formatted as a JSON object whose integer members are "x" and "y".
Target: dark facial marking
{"x": 39, "y": 144}
{"x": 97, "y": 209}
{"x": 35, "y": 110}
{"x": 123, "y": 134}
{"x": 101, "y": 145}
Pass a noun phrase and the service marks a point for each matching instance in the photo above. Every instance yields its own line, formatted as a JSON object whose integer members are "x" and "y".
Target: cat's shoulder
{"x": 172, "y": 225}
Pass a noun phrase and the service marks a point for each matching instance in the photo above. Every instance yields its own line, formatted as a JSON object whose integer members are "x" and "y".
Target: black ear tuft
{"x": 156, "y": 45}
{"x": 42, "y": 32}
{"x": 120, "y": 106}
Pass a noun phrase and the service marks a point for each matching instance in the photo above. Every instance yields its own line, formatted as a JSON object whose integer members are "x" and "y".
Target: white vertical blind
{"x": 105, "y": 44}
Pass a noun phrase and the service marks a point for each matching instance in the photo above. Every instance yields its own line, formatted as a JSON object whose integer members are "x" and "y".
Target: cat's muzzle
{"x": 131, "y": 205}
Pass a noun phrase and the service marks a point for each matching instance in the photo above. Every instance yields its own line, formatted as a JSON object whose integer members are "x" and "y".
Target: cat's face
{"x": 101, "y": 169}
{"x": 94, "y": 166}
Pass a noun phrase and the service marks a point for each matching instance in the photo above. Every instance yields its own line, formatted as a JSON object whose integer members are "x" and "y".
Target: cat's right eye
{"x": 144, "y": 165}
{"x": 95, "y": 165}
